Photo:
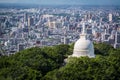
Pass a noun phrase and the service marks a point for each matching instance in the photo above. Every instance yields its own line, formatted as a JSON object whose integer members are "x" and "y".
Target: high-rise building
{"x": 105, "y": 36}
{"x": 110, "y": 17}
{"x": 117, "y": 40}
{"x": 117, "y": 37}
{"x": 51, "y": 24}
{"x": 30, "y": 21}
{"x": 25, "y": 17}
{"x": 0, "y": 29}
{"x": 21, "y": 47}
{"x": 66, "y": 40}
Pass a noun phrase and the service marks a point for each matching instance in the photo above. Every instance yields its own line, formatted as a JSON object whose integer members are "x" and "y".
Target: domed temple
{"x": 83, "y": 46}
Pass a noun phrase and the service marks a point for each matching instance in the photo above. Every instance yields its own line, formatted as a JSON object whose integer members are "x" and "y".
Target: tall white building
{"x": 110, "y": 17}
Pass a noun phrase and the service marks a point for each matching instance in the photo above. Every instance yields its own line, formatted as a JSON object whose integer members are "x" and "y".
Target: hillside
{"x": 47, "y": 64}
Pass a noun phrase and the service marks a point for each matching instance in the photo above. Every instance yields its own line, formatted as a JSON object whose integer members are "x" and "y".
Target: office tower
{"x": 51, "y": 25}
{"x": 21, "y": 47}
{"x": 110, "y": 17}
{"x": 30, "y": 21}
{"x": 25, "y": 17}
{"x": 117, "y": 37}
{"x": 117, "y": 40}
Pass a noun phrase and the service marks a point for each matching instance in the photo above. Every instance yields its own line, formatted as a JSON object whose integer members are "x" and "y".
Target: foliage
{"x": 102, "y": 48}
{"x": 47, "y": 64}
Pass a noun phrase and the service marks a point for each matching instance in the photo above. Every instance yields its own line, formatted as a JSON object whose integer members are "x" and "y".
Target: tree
{"x": 46, "y": 63}
{"x": 102, "y": 48}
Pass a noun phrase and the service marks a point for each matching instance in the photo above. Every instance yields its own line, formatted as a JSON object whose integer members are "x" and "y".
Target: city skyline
{"x": 62, "y": 2}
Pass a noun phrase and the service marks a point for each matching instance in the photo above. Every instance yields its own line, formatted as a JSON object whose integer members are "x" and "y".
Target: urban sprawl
{"x": 48, "y": 26}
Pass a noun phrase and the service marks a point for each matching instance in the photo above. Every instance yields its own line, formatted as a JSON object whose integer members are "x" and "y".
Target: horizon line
{"x": 34, "y": 4}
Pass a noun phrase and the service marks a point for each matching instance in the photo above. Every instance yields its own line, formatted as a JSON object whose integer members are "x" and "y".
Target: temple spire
{"x": 83, "y": 30}
{"x": 83, "y": 35}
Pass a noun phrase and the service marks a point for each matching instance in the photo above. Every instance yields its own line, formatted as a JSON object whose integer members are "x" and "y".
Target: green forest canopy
{"x": 47, "y": 64}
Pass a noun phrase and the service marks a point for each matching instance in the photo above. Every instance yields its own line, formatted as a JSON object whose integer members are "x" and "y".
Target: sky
{"x": 61, "y": 2}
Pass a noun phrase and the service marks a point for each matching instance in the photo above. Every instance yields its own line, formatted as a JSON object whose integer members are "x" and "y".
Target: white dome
{"x": 83, "y": 46}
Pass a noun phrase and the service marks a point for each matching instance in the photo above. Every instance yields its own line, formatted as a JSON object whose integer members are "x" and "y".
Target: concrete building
{"x": 110, "y": 17}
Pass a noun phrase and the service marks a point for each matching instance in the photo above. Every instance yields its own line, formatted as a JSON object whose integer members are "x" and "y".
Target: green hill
{"x": 47, "y": 64}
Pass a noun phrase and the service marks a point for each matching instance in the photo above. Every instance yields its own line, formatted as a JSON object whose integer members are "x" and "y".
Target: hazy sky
{"x": 51, "y": 2}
